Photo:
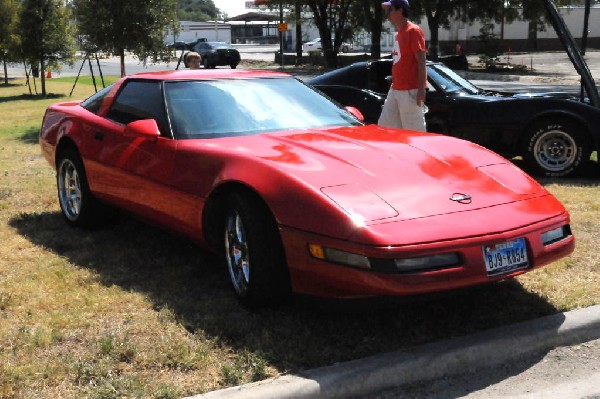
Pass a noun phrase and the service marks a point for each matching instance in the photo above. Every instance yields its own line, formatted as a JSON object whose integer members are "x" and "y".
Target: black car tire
{"x": 205, "y": 63}
{"x": 77, "y": 204}
{"x": 233, "y": 66}
{"x": 556, "y": 147}
{"x": 254, "y": 253}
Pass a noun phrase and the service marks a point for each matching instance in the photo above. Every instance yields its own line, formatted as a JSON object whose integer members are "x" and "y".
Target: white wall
{"x": 190, "y": 31}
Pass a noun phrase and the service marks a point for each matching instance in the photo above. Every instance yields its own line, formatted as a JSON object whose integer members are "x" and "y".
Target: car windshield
{"x": 231, "y": 107}
{"x": 220, "y": 45}
{"x": 449, "y": 81}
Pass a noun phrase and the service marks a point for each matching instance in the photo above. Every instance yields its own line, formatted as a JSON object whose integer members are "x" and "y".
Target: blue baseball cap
{"x": 396, "y": 4}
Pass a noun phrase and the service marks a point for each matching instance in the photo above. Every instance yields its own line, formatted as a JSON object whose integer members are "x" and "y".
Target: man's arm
{"x": 422, "y": 76}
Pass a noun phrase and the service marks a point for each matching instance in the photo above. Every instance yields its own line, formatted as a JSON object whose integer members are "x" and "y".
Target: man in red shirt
{"x": 404, "y": 107}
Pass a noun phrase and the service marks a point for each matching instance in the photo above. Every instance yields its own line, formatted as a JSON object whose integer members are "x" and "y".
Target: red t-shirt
{"x": 409, "y": 41}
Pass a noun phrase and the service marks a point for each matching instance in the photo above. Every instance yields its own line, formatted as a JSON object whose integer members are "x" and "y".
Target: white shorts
{"x": 401, "y": 111}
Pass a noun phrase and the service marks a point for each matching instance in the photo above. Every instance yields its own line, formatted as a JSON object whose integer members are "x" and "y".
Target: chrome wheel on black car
{"x": 556, "y": 147}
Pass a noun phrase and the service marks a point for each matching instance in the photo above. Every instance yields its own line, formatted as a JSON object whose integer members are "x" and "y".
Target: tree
{"x": 47, "y": 35}
{"x": 197, "y": 10}
{"x": 9, "y": 38}
{"x": 332, "y": 19}
{"x": 369, "y": 15}
{"x": 138, "y": 26}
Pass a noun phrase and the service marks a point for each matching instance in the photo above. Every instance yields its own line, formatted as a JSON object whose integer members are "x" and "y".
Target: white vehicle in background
{"x": 315, "y": 46}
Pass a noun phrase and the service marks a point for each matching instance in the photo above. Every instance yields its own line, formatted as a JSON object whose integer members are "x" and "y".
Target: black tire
{"x": 233, "y": 66}
{"x": 78, "y": 206}
{"x": 556, "y": 147}
{"x": 254, "y": 253}
{"x": 205, "y": 63}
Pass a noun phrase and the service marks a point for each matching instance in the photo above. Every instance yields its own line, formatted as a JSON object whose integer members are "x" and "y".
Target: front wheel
{"x": 254, "y": 252}
{"x": 556, "y": 147}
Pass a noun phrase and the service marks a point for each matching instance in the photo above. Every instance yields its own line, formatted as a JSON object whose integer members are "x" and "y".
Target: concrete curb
{"x": 427, "y": 362}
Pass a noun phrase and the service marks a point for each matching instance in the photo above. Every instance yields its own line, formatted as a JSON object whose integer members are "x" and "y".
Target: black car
{"x": 553, "y": 132}
{"x": 217, "y": 53}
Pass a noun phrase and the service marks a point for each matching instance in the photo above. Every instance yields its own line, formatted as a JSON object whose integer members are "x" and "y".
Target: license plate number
{"x": 505, "y": 257}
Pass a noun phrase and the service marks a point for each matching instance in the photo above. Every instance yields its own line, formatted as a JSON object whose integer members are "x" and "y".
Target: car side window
{"x": 139, "y": 100}
{"x": 94, "y": 102}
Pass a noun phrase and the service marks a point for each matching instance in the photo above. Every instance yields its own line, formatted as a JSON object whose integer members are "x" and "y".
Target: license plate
{"x": 505, "y": 257}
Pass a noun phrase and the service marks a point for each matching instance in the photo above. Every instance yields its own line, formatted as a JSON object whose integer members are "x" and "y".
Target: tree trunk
{"x": 5, "y": 71}
{"x": 43, "y": 75}
{"x": 434, "y": 43}
{"x": 122, "y": 57}
{"x": 376, "y": 43}
{"x": 298, "y": 32}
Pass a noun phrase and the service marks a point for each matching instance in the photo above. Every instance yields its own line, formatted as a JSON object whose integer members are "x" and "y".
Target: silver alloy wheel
{"x": 69, "y": 189}
{"x": 236, "y": 253}
{"x": 555, "y": 151}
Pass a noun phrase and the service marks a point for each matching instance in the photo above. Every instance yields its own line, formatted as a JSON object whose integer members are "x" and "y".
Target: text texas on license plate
{"x": 505, "y": 257}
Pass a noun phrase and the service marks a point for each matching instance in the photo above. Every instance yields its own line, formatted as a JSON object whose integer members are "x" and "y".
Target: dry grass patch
{"x": 131, "y": 311}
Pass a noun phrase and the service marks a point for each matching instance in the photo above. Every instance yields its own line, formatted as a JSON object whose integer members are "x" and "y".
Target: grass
{"x": 131, "y": 311}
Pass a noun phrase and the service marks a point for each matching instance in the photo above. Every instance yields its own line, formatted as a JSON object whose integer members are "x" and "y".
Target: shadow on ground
{"x": 302, "y": 334}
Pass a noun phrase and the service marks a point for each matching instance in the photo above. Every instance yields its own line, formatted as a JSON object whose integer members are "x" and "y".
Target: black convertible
{"x": 555, "y": 133}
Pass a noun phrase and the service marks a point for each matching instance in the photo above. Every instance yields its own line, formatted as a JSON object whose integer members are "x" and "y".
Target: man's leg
{"x": 390, "y": 114}
{"x": 412, "y": 116}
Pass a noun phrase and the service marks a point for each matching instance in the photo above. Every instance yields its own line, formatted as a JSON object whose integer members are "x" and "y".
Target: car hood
{"x": 377, "y": 174}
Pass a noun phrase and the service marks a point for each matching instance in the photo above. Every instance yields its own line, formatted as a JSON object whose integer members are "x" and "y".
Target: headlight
{"x": 388, "y": 266}
{"x": 555, "y": 235}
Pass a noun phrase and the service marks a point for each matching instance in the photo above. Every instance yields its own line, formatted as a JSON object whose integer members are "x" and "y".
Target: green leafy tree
{"x": 197, "y": 10}
{"x": 333, "y": 20}
{"x": 115, "y": 26}
{"x": 9, "y": 37}
{"x": 368, "y": 15}
{"x": 47, "y": 35}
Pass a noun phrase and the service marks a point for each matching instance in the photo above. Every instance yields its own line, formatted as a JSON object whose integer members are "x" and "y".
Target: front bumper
{"x": 316, "y": 277}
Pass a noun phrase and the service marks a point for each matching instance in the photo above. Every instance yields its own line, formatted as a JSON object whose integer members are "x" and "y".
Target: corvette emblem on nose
{"x": 461, "y": 198}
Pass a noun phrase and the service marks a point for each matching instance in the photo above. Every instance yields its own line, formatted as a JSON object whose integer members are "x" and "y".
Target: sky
{"x": 231, "y": 7}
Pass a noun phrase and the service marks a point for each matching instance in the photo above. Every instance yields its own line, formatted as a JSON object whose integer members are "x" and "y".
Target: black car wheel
{"x": 556, "y": 147}
{"x": 233, "y": 66}
{"x": 254, "y": 253}
{"x": 205, "y": 63}
{"x": 77, "y": 204}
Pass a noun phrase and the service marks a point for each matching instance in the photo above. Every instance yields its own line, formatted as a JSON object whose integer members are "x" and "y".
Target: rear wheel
{"x": 254, "y": 253}
{"x": 556, "y": 147}
{"x": 77, "y": 204}
{"x": 205, "y": 63}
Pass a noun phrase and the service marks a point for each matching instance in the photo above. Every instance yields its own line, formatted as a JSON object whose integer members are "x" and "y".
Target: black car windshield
{"x": 233, "y": 107}
{"x": 220, "y": 45}
{"x": 449, "y": 81}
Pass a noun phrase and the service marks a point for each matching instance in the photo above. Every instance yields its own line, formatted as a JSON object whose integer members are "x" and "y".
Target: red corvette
{"x": 294, "y": 191}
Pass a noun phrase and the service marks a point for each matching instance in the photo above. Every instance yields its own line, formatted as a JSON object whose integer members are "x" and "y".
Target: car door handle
{"x": 99, "y": 136}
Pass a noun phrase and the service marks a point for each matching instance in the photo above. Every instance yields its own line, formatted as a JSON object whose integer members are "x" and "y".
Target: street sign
{"x": 282, "y": 27}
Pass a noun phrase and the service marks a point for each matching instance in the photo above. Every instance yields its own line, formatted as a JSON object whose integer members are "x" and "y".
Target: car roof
{"x": 207, "y": 74}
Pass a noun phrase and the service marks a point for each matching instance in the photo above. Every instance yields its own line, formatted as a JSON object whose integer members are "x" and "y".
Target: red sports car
{"x": 294, "y": 191}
